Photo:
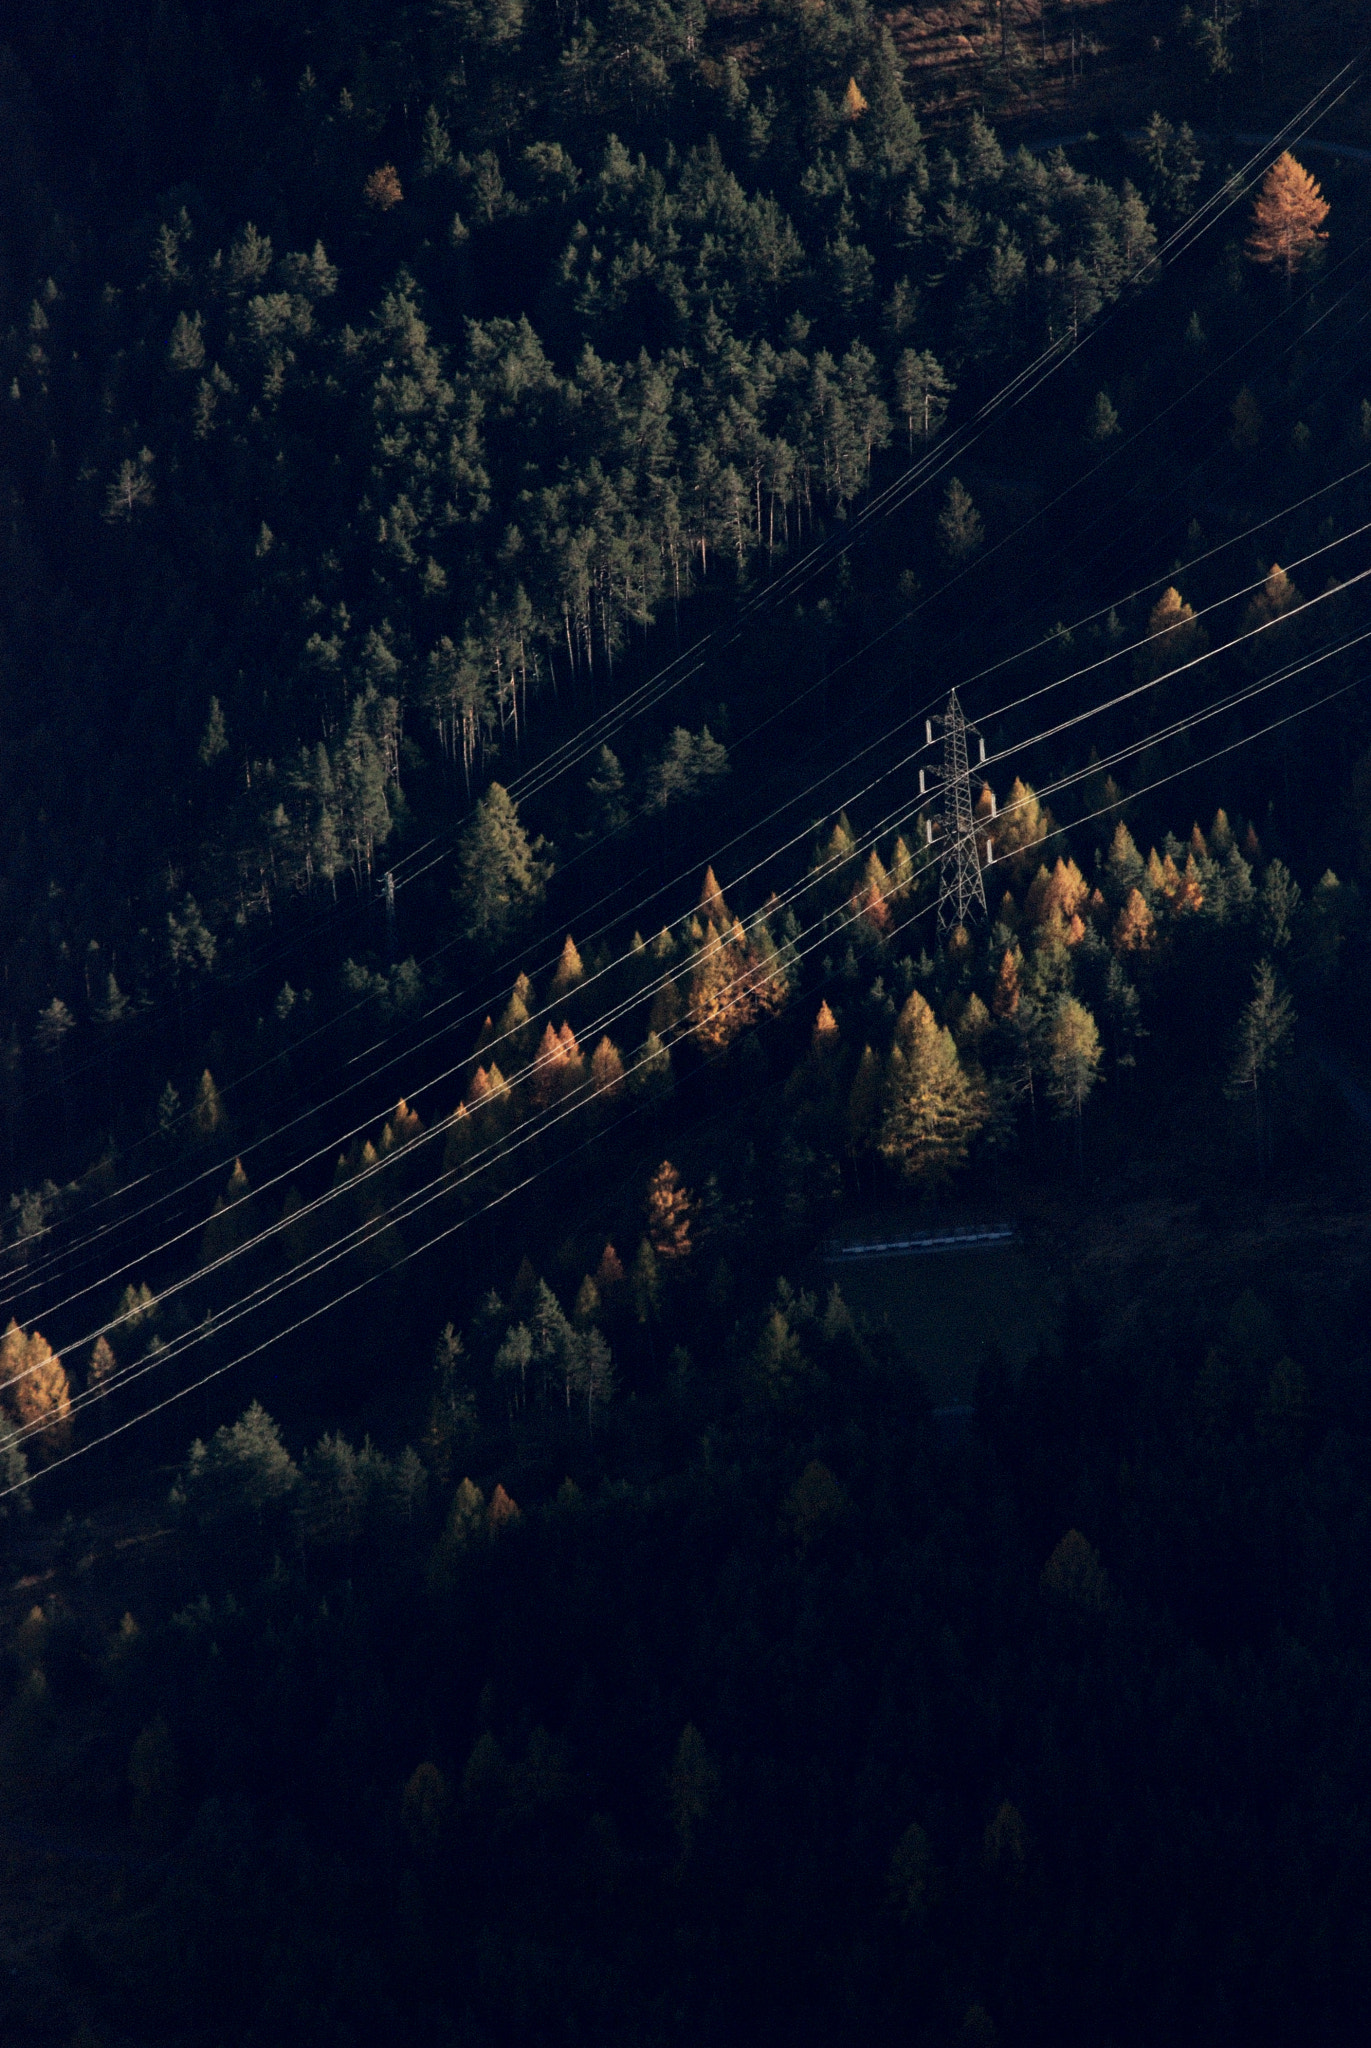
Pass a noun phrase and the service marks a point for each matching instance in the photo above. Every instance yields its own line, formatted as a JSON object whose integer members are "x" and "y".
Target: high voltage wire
{"x": 70, "y": 1248}
{"x": 1031, "y": 376}
{"x": 501, "y": 1145}
{"x": 369, "y": 1228}
{"x": 611, "y": 1015}
{"x": 416, "y": 1251}
{"x": 936, "y": 461}
{"x": 905, "y": 485}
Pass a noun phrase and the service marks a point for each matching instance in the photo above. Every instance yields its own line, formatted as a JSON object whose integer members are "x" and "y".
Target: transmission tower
{"x": 961, "y": 887}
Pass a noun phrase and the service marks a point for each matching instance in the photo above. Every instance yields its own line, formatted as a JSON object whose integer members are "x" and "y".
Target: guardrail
{"x": 982, "y": 1238}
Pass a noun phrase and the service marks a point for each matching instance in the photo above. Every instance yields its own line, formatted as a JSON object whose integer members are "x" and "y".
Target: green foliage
{"x": 502, "y": 874}
{"x": 244, "y": 1470}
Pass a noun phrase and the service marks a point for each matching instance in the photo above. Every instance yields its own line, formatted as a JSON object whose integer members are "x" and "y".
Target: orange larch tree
{"x": 1287, "y": 216}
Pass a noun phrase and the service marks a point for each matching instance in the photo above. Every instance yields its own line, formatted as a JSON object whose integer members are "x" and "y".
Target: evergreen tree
{"x": 503, "y": 874}
{"x": 959, "y": 528}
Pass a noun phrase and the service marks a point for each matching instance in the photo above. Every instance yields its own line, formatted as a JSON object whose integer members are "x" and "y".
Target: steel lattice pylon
{"x": 961, "y": 886}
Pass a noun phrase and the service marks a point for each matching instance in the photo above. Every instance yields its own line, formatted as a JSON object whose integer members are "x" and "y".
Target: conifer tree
{"x": 587, "y": 1307}
{"x": 606, "y": 1070}
{"x": 959, "y": 528}
{"x": 1023, "y": 824}
{"x": 1175, "y": 635}
{"x": 712, "y": 909}
{"x": 652, "y": 1069}
{"x": 230, "y": 1221}
{"x": 1260, "y": 1047}
{"x": 502, "y": 873}
{"x": 864, "y": 1106}
{"x": 567, "y": 972}
{"x": 901, "y": 872}
{"x": 512, "y": 1029}
{"x": 1073, "y": 1061}
{"x": 207, "y": 1112}
{"x": 932, "y": 1111}
{"x": 1123, "y": 867}
{"x": 1004, "y": 1001}
{"x": 666, "y": 1009}
{"x": 593, "y": 1373}
{"x": 644, "y": 1283}
{"x": 609, "y": 1274}
{"x": 1287, "y": 217}
{"x": 35, "y": 1393}
{"x": 669, "y": 1212}
{"x": 102, "y": 1365}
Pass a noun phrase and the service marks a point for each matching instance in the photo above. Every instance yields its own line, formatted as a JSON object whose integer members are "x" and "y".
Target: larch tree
{"x": 932, "y": 1109}
{"x": 568, "y": 971}
{"x": 1260, "y": 1047}
{"x": 1287, "y": 217}
{"x": 668, "y": 1215}
{"x": 1073, "y": 1061}
{"x": 35, "y": 1393}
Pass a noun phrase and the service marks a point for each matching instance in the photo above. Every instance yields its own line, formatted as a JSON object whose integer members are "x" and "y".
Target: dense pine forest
{"x": 678, "y": 1365}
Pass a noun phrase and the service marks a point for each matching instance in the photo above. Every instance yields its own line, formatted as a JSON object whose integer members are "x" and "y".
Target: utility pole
{"x": 961, "y": 887}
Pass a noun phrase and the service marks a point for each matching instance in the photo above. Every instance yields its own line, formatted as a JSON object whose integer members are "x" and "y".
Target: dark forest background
{"x": 491, "y": 494}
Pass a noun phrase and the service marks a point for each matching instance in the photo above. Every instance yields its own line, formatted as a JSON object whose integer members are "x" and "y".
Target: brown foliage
{"x": 382, "y": 189}
{"x": 668, "y": 1214}
{"x": 1287, "y": 216}
{"x": 35, "y": 1392}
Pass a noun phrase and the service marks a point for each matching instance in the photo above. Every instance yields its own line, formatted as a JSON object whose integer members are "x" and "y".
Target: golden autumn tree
{"x": 568, "y": 971}
{"x": 1287, "y": 217}
{"x": 932, "y": 1109}
{"x": 1174, "y": 636}
{"x": 668, "y": 1215}
{"x": 35, "y": 1393}
{"x": 1135, "y": 927}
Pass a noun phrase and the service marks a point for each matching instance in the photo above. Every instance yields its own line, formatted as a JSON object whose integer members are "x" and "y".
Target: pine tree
{"x": 1287, "y": 217}
{"x": 959, "y": 528}
{"x": 922, "y": 391}
{"x": 593, "y": 1373}
{"x": 503, "y": 874}
{"x": 932, "y": 1110}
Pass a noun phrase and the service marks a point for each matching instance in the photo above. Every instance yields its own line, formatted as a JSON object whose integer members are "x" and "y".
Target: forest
{"x": 685, "y": 900}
